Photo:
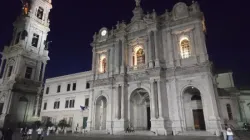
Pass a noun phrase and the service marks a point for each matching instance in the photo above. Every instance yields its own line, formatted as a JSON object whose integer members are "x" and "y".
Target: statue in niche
{"x": 104, "y": 65}
{"x": 140, "y": 56}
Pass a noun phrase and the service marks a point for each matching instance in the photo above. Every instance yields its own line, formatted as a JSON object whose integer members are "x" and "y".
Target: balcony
{"x": 137, "y": 67}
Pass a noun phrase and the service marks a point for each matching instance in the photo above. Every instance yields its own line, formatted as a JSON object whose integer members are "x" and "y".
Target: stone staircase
{"x": 137, "y": 133}
{"x": 195, "y": 133}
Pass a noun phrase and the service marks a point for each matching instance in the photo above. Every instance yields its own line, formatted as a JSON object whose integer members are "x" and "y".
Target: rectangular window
{"x": 28, "y": 73}
{"x": 68, "y": 87}
{"x": 56, "y": 104}
{"x": 47, "y": 90}
{"x": 58, "y": 88}
{"x": 45, "y": 106}
{"x": 70, "y": 103}
{"x": 87, "y": 102}
{"x": 10, "y": 71}
{"x": 74, "y": 86}
{"x": 67, "y": 104}
{"x": 17, "y": 38}
{"x": 35, "y": 39}
{"x": 87, "y": 85}
{"x": 1, "y": 107}
{"x": 40, "y": 13}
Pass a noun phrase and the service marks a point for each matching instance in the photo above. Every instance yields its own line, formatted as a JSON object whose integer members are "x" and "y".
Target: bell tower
{"x": 23, "y": 64}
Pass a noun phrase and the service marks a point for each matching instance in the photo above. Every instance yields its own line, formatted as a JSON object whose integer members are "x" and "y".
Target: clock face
{"x": 104, "y": 32}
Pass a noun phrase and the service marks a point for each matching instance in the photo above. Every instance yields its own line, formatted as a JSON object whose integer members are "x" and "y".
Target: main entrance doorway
{"x": 140, "y": 118}
{"x": 199, "y": 122}
{"x": 193, "y": 109}
{"x": 101, "y": 113}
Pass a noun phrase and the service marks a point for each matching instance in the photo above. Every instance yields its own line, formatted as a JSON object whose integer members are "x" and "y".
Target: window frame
{"x": 40, "y": 14}
{"x": 45, "y": 104}
{"x": 58, "y": 89}
{"x": 185, "y": 52}
{"x": 35, "y": 40}
{"x": 47, "y": 90}
{"x": 74, "y": 86}
{"x": 68, "y": 86}
{"x": 25, "y": 75}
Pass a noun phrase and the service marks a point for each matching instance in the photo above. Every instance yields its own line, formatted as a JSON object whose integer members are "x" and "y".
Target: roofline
{"x": 64, "y": 77}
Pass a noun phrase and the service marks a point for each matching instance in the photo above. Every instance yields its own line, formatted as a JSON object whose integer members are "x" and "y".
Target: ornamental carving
{"x": 138, "y": 77}
{"x": 103, "y": 82}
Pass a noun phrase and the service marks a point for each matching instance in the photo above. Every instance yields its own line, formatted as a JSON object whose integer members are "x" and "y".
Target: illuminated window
{"x": 229, "y": 112}
{"x": 40, "y": 13}
{"x": 103, "y": 64}
{"x": 139, "y": 56}
{"x": 185, "y": 48}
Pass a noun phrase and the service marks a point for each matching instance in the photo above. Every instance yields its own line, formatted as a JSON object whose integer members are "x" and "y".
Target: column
{"x": 109, "y": 61}
{"x": 37, "y": 105}
{"x": 117, "y": 57}
{"x": 150, "y": 64}
{"x": 170, "y": 51}
{"x": 44, "y": 67}
{"x": 146, "y": 51}
{"x": 17, "y": 65}
{"x": 152, "y": 100}
{"x": 7, "y": 102}
{"x": 38, "y": 70}
{"x": 159, "y": 99}
{"x": 117, "y": 103}
{"x": 1, "y": 66}
{"x": 122, "y": 102}
{"x": 157, "y": 62}
{"x": 123, "y": 56}
{"x": 93, "y": 59}
{"x": 91, "y": 106}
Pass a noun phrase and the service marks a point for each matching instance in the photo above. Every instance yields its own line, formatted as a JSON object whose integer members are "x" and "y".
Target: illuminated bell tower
{"x": 23, "y": 64}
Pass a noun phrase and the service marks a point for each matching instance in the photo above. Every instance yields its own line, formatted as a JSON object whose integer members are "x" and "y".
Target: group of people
{"x": 26, "y": 133}
{"x": 6, "y": 134}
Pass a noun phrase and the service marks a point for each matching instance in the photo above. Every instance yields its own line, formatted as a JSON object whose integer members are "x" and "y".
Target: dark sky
{"x": 73, "y": 23}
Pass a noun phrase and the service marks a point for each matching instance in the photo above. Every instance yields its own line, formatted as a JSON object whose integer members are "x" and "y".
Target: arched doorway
{"x": 140, "y": 110}
{"x": 22, "y": 109}
{"x": 101, "y": 113}
{"x": 193, "y": 109}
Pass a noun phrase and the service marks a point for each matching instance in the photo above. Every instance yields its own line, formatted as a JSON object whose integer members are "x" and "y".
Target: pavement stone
{"x": 16, "y": 136}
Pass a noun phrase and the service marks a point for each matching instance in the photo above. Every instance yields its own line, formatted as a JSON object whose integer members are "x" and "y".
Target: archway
{"x": 140, "y": 118}
{"x": 192, "y": 104}
{"x": 22, "y": 109}
{"x": 101, "y": 113}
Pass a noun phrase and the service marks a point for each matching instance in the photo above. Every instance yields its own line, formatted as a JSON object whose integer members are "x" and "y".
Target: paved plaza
{"x": 116, "y": 137}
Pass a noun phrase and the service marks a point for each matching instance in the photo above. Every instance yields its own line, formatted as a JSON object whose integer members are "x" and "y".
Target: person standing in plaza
{"x": 29, "y": 133}
{"x": 39, "y": 133}
{"x": 229, "y": 134}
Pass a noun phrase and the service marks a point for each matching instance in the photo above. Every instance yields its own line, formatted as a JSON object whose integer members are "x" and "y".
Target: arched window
{"x": 139, "y": 56}
{"x": 185, "y": 48}
{"x": 104, "y": 65}
{"x": 229, "y": 112}
{"x": 196, "y": 97}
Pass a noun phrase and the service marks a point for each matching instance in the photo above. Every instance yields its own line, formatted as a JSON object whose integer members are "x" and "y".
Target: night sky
{"x": 74, "y": 22}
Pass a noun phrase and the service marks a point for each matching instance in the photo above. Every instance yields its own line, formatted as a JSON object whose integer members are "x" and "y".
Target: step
{"x": 195, "y": 133}
{"x": 136, "y": 133}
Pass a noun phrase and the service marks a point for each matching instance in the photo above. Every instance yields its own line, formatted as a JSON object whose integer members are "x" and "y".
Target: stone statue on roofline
{"x": 138, "y": 3}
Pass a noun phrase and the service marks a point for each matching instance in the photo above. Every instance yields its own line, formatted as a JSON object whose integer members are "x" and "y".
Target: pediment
{"x": 136, "y": 26}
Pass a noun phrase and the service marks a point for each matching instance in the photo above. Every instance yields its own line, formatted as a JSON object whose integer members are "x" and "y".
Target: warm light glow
{"x": 138, "y": 56}
{"x": 103, "y": 64}
{"x": 185, "y": 48}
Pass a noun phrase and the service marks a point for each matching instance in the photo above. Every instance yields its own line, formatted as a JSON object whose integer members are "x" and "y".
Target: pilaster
{"x": 157, "y": 61}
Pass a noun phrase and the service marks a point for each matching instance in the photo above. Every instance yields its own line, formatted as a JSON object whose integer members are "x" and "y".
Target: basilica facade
{"x": 150, "y": 74}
